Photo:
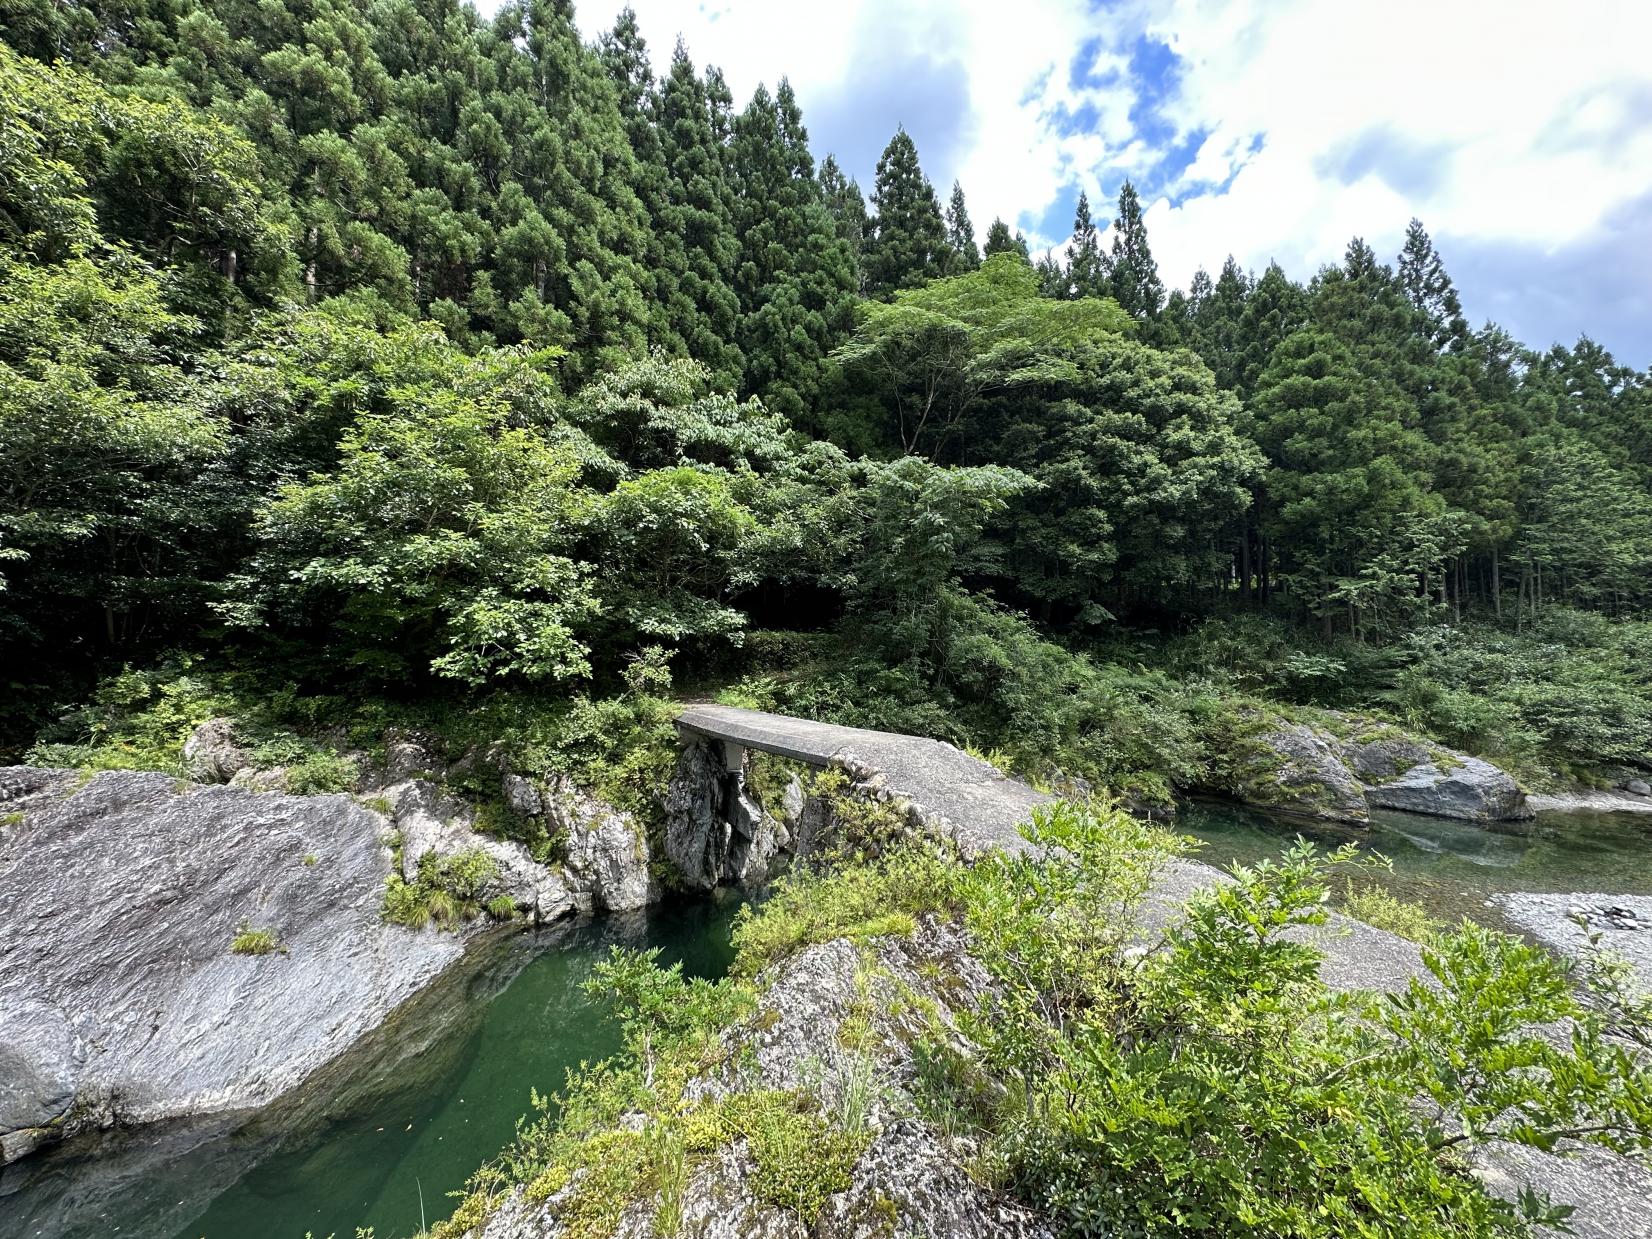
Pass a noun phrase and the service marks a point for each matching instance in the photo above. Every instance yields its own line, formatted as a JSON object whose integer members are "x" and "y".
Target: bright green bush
{"x": 1218, "y": 1086}
{"x": 250, "y": 941}
{"x": 448, "y": 890}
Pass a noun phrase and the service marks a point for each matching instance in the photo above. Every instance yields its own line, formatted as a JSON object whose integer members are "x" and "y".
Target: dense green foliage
{"x": 400, "y": 360}
{"x": 1205, "y": 1081}
{"x": 1217, "y": 1084}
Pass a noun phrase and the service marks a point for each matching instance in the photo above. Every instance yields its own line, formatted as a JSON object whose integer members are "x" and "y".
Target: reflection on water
{"x": 1452, "y": 867}
{"x": 396, "y": 1125}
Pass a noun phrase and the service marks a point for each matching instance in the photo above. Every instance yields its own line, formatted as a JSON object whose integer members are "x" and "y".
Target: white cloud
{"x": 1016, "y": 65}
{"x": 1518, "y": 123}
{"x": 1496, "y": 121}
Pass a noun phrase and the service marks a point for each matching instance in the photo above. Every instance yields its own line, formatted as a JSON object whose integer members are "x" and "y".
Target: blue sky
{"x": 1269, "y": 129}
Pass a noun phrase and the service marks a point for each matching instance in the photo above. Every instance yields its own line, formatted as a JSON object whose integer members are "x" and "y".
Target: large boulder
{"x": 213, "y": 753}
{"x": 121, "y": 1000}
{"x": 1402, "y": 772}
{"x": 1293, "y": 768}
{"x": 1342, "y": 769}
{"x": 607, "y": 851}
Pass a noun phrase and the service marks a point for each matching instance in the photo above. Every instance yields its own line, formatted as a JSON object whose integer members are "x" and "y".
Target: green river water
{"x": 371, "y": 1153}
{"x": 404, "y": 1119}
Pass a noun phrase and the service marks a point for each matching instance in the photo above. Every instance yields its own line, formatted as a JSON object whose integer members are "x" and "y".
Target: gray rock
{"x": 121, "y": 999}
{"x": 1588, "y": 802}
{"x": 272, "y": 780}
{"x": 521, "y": 795}
{"x": 1293, "y": 768}
{"x": 432, "y": 822}
{"x": 608, "y": 859}
{"x": 1466, "y": 787}
{"x": 1618, "y": 918}
{"x": 910, "y": 1180}
{"x": 716, "y": 833}
{"x": 37, "y": 1065}
{"x": 696, "y": 837}
{"x": 1638, "y": 787}
{"x": 212, "y": 753}
{"x": 408, "y": 755}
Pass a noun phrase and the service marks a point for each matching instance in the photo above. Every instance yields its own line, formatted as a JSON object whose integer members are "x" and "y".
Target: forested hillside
{"x": 374, "y": 361}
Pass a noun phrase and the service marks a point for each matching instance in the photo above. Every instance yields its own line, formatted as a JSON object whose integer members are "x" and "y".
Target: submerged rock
{"x": 121, "y": 999}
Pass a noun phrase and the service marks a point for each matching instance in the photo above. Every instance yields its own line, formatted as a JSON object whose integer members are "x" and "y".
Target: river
{"x": 399, "y": 1123}
{"x": 403, "y": 1120}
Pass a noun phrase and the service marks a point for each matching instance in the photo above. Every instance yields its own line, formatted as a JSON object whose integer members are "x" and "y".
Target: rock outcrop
{"x": 430, "y": 822}
{"x": 121, "y": 1000}
{"x": 608, "y": 860}
{"x": 716, "y": 832}
{"x": 213, "y": 753}
{"x": 1400, "y": 772}
{"x": 1343, "y": 769}
{"x": 1293, "y": 768}
{"x": 907, "y": 1179}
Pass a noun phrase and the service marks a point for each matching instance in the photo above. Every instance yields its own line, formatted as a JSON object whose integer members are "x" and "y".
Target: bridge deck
{"x": 981, "y": 806}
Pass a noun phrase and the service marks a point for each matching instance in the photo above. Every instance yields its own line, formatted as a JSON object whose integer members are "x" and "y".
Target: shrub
{"x": 1216, "y": 1085}
{"x": 447, "y": 890}
{"x": 859, "y": 902}
{"x": 1379, "y": 907}
{"x": 250, "y": 941}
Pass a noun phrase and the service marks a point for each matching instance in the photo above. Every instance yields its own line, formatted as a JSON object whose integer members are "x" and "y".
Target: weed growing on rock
{"x": 448, "y": 890}
{"x": 250, "y": 941}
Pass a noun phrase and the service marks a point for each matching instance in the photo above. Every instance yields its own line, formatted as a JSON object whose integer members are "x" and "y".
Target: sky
{"x": 1275, "y": 130}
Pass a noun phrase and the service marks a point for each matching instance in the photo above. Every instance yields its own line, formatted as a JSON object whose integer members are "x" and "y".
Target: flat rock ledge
{"x": 1624, "y": 923}
{"x": 121, "y": 1000}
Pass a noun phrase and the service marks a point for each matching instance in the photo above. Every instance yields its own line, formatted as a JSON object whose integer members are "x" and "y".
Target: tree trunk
{"x": 309, "y": 267}
{"x": 1496, "y": 585}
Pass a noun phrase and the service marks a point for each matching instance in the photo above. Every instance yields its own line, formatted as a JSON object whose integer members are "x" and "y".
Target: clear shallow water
{"x": 1452, "y": 868}
{"x": 411, "y": 1115}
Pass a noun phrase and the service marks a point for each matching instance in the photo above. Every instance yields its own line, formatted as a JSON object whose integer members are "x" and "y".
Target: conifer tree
{"x": 1132, "y": 275}
{"x": 906, "y": 247}
{"x": 625, "y": 55}
{"x": 960, "y": 234}
{"x": 1423, "y": 277}
{"x": 1052, "y": 277}
{"x": 700, "y": 209}
{"x": 562, "y": 113}
{"x": 1001, "y": 241}
{"x": 1086, "y": 269}
{"x": 1218, "y": 331}
{"x": 1363, "y": 304}
{"x": 1275, "y": 308}
{"x": 796, "y": 279}
{"x": 847, "y": 207}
